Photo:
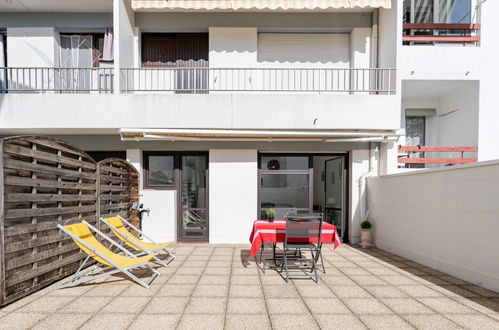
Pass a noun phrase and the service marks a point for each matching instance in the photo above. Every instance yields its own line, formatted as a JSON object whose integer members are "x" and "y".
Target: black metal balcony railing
{"x": 64, "y": 80}
{"x": 203, "y": 80}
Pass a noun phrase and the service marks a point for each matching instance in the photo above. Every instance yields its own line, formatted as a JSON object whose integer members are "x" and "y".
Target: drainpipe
{"x": 373, "y": 169}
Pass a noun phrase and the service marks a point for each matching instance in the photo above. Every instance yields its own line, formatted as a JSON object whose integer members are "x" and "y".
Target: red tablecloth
{"x": 264, "y": 231}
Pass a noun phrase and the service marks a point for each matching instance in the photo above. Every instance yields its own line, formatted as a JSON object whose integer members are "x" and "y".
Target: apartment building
{"x": 230, "y": 108}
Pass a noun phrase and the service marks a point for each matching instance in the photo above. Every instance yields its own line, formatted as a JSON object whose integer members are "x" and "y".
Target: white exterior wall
{"x": 233, "y": 189}
{"x": 359, "y": 165}
{"x": 161, "y": 223}
{"x": 69, "y": 113}
{"x": 125, "y": 41}
{"x": 443, "y": 218}
{"x": 455, "y": 62}
{"x": 32, "y": 47}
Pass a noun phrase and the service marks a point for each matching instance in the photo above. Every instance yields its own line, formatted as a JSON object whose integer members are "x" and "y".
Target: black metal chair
{"x": 303, "y": 233}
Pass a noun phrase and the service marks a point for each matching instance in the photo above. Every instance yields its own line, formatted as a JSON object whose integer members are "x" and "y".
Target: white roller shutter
{"x": 310, "y": 50}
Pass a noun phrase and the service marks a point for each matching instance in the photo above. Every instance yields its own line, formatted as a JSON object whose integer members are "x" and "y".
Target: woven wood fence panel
{"x": 46, "y": 182}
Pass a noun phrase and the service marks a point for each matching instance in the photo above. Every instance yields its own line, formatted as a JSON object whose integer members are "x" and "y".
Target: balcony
{"x": 442, "y": 33}
{"x": 56, "y": 80}
{"x": 204, "y": 80}
{"x": 205, "y": 98}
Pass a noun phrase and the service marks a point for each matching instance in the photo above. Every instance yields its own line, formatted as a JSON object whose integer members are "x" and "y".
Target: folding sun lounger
{"x": 117, "y": 225}
{"x": 113, "y": 263}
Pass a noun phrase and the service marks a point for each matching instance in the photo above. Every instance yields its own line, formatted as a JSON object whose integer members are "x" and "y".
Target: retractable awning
{"x": 174, "y": 134}
{"x": 258, "y": 4}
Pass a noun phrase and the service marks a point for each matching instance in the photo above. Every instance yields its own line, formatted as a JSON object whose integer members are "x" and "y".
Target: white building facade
{"x": 228, "y": 109}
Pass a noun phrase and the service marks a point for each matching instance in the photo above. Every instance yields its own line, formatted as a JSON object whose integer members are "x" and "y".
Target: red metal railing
{"x": 465, "y": 30}
{"x": 460, "y": 160}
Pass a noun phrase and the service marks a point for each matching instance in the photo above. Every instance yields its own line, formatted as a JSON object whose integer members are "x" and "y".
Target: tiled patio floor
{"x": 219, "y": 286}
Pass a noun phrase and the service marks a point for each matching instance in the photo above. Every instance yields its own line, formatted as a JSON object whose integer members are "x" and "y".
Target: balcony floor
{"x": 219, "y": 286}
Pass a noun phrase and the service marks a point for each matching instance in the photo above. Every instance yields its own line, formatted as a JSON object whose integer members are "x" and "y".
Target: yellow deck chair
{"x": 109, "y": 262}
{"x": 117, "y": 226}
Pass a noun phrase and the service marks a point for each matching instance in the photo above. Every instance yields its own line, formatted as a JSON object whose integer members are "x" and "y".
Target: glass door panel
{"x": 285, "y": 190}
{"x": 193, "y": 197}
{"x": 334, "y": 187}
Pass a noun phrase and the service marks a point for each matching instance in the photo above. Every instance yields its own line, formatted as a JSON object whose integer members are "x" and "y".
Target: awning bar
{"x": 256, "y": 135}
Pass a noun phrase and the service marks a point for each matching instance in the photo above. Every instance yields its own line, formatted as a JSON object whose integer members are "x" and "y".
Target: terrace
{"x": 221, "y": 287}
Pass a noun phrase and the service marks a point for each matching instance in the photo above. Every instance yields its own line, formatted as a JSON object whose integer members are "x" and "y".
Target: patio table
{"x": 275, "y": 232}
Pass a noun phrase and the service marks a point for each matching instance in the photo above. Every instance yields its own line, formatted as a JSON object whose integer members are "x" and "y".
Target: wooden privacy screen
{"x": 118, "y": 189}
{"x": 46, "y": 182}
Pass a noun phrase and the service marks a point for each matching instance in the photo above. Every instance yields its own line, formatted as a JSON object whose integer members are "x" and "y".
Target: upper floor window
{"x": 439, "y": 21}
{"x": 438, "y": 11}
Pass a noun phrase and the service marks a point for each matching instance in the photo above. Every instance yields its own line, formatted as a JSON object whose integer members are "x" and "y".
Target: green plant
{"x": 270, "y": 213}
{"x": 366, "y": 224}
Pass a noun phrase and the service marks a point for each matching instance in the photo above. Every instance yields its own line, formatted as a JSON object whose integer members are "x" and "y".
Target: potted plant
{"x": 366, "y": 239}
{"x": 270, "y": 215}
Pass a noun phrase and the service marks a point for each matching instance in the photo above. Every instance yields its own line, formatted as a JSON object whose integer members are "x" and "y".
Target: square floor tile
{"x": 62, "y": 321}
{"x": 90, "y": 305}
{"x": 280, "y": 291}
{"x": 190, "y": 271}
{"x": 247, "y": 322}
{"x": 214, "y": 279}
{"x": 176, "y": 290}
{"x": 155, "y": 321}
{"x": 286, "y": 306}
{"x": 326, "y": 306}
{"x": 133, "y": 305}
{"x": 340, "y": 322}
{"x": 140, "y": 291}
{"x": 20, "y": 320}
{"x": 217, "y": 271}
{"x": 431, "y": 322}
{"x": 206, "y": 305}
{"x": 201, "y": 321}
{"x": 446, "y": 305}
{"x": 109, "y": 321}
{"x": 350, "y": 291}
{"x": 298, "y": 322}
{"x": 203, "y": 290}
{"x": 338, "y": 280}
{"x": 315, "y": 291}
{"x": 385, "y": 291}
{"x": 46, "y": 304}
{"x": 362, "y": 306}
{"x": 246, "y": 306}
{"x": 367, "y": 280}
{"x": 254, "y": 291}
{"x": 194, "y": 264}
{"x": 474, "y": 321}
{"x": 166, "y": 305}
{"x": 398, "y": 280}
{"x": 183, "y": 279}
{"x": 419, "y": 291}
{"x": 406, "y": 306}
{"x": 245, "y": 280}
{"x": 387, "y": 322}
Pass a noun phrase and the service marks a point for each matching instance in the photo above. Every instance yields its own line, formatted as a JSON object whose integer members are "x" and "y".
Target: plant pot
{"x": 271, "y": 219}
{"x": 366, "y": 239}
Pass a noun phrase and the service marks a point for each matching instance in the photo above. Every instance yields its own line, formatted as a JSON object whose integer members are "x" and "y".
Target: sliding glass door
{"x": 286, "y": 185}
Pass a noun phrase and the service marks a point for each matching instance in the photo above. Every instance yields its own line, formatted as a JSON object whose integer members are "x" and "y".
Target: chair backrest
{"x": 303, "y": 228}
{"x": 82, "y": 231}
{"x": 118, "y": 224}
{"x": 282, "y": 212}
